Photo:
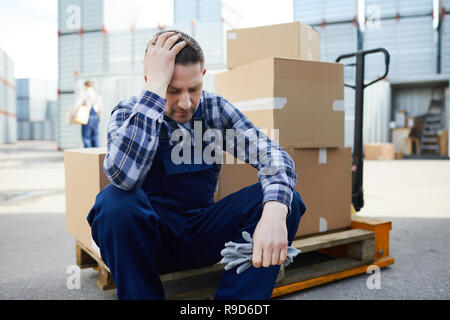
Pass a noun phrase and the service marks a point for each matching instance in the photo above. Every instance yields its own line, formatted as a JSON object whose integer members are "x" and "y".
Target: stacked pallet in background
{"x": 279, "y": 84}
{"x": 8, "y": 120}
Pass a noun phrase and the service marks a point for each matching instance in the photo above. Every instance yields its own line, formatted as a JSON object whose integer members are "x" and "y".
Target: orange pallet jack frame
{"x": 380, "y": 228}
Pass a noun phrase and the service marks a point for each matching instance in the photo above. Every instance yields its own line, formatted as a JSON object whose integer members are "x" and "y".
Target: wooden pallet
{"x": 324, "y": 258}
{"x": 86, "y": 258}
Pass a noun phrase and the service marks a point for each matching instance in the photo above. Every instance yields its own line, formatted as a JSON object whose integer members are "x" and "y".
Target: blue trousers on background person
{"x": 89, "y": 131}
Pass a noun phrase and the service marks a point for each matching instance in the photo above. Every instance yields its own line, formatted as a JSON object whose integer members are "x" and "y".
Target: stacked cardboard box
{"x": 278, "y": 86}
{"x": 84, "y": 180}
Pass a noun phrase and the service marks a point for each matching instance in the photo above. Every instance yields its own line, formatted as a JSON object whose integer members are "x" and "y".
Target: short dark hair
{"x": 191, "y": 53}
{"x": 88, "y": 84}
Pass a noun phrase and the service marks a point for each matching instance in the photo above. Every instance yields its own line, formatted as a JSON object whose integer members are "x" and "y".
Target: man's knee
{"x": 116, "y": 206}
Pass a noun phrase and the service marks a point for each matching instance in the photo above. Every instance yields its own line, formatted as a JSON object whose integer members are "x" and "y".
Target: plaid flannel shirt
{"x": 133, "y": 136}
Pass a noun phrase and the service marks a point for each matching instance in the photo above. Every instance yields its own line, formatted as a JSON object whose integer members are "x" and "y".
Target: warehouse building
{"x": 413, "y": 101}
{"x": 417, "y": 37}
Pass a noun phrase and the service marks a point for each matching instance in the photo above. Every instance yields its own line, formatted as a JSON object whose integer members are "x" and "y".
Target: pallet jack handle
{"x": 359, "y": 86}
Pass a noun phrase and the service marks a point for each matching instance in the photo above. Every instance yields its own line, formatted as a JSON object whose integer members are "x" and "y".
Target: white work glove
{"x": 239, "y": 255}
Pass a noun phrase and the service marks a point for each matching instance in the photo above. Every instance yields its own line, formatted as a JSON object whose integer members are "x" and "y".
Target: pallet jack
{"x": 378, "y": 228}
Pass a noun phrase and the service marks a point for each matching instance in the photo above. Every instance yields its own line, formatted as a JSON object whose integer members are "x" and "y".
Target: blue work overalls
{"x": 171, "y": 223}
{"x": 89, "y": 131}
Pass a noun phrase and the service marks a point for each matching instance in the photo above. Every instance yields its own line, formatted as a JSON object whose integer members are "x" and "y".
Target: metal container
{"x": 93, "y": 53}
{"x": 8, "y": 118}
{"x": 410, "y": 42}
{"x": 335, "y": 40}
{"x": 11, "y": 118}
{"x": 141, "y": 39}
{"x": 23, "y": 109}
{"x": 52, "y": 110}
{"x": 445, "y": 49}
{"x": 24, "y": 130}
{"x": 69, "y": 15}
{"x": 211, "y": 37}
{"x": 32, "y": 98}
{"x": 209, "y": 11}
{"x": 48, "y": 130}
{"x": 68, "y": 135}
{"x": 315, "y": 12}
{"x": 37, "y": 130}
{"x": 390, "y": 8}
{"x": 69, "y": 61}
{"x": 120, "y": 52}
{"x": 185, "y": 10}
{"x": 197, "y": 10}
{"x": 92, "y": 15}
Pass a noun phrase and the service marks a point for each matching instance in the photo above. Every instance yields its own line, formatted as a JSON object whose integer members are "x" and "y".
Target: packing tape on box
{"x": 95, "y": 247}
{"x": 322, "y": 156}
{"x": 231, "y": 35}
{"x": 261, "y": 104}
{"x": 338, "y": 105}
{"x": 323, "y": 224}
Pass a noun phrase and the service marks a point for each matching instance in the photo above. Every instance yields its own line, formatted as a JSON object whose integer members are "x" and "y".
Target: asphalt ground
{"x": 38, "y": 254}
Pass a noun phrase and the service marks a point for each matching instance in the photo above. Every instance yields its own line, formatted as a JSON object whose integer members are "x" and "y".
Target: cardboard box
{"x": 84, "y": 180}
{"x": 400, "y": 139}
{"x": 324, "y": 180}
{"x": 379, "y": 151}
{"x": 443, "y": 142}
{"x": 291, "y": 40}
{"x": 400, "y": 118}
{"x": 304, "y": 100}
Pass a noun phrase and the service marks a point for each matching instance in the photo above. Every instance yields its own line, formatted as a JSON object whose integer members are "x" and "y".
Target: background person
{"x": 90, "y": 98}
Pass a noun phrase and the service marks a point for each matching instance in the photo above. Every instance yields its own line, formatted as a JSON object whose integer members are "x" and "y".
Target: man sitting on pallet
{"x": 157, "y": 216}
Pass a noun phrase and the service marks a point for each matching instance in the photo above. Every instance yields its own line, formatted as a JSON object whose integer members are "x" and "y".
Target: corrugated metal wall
{"x": 198, "y": 10}
{"x": 335, "y": 40}
{"x": 69, "y": 61}
{"x": 94, "y": 53}
{"x": 410, "y": 43}
{"x": 8, "y": 118}
{"x": 141, "y": 39}
{"x": 314, "y": 12}
{"x": 69, "y": 15}
{"x": 390, "y": 8}
{"x": 68, "y": 136}
{"x": 36, "y": 109}
{"x": 91, "y": 15}
{"x": 445, "y": 49}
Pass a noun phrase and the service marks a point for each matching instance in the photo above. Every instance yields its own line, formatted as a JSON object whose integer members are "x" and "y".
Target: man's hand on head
{"x": 270, "y": 236}
{"x": 159, "y": 61}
